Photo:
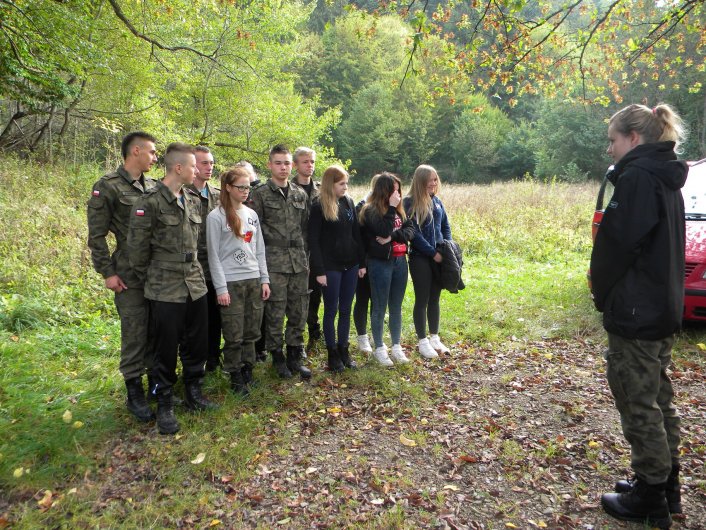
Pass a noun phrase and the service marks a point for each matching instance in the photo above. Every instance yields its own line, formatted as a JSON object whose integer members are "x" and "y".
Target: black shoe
{"x": 246, "y": 372}
{"x": 294, "y": 361}
{"x": 136, "y": 402}
{"x": 238, "y": 384}
{"x": 672, "y": 489}
{"x": 166, "y": 421}
{"x": 194, "y": 398}
{"x": 260, "y": 356}
{"x": 334, "y": 361}
{"x": 345, "y": 356}
{"x": 644, "y": 503}
{"x": 280, "y": 365}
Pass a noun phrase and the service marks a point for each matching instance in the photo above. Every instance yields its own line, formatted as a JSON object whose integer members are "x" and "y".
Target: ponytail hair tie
{"x": 654, "y": 111}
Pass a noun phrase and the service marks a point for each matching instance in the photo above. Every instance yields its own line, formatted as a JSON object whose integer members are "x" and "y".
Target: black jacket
{"x": 384, "y": 226}
{"x": 334, "y": 245}
{"x": 637, "y": 264}
{"x": 451, "y": 266}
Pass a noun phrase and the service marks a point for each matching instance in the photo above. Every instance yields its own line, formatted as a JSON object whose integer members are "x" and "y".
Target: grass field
{"x": 70, "y": 455}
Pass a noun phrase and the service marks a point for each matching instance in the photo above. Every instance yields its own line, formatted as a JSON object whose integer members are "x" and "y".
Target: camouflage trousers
{"x": 643, "y": 393}
{"x": 135, "y": 348}
{"x": 289, "y": 296}
{"x": 240, "y": 322}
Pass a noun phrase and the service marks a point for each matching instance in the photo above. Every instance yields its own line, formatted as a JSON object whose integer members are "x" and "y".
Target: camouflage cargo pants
{"x": 289, "y": 296}
{"x": 240, "y": 322}
{"x": 643, "y": 393}
{"x": 135, "y": 348}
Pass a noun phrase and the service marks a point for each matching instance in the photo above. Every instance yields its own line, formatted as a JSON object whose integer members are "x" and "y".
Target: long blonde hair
{"x": 421, "y": 200}
{"x": 327, "y": 197}
{"x": 659, "y": 124}
{"x": 228, "y": 179}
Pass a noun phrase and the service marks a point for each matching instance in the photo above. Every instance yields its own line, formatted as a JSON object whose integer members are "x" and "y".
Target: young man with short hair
{"x": 163, "y": 243}
{"x": 109, "y": 209}
{"x": 283, "y": 211}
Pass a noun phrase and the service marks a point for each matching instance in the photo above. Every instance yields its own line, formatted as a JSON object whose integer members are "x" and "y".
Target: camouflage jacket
{"x": 109, "y": 208}
{"x": 284, "y": 226}
{"x": 314, "y": 189}
{"x": 163, "y": 243}
{"x": 207, "y": 205}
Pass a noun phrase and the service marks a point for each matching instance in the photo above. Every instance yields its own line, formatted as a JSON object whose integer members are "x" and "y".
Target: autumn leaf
{"x": 46, "y": 501}
{"x": 215, "y": 522}
{"x": 199, "y": 458}
{"x": 77, "y": 424}
{"x": 406, "y": 441}
{"x": 702, "y": 346}
{"x": 18, "y": 472}
{"x": 67, "y": 417}
{"x": 451, "y": 487}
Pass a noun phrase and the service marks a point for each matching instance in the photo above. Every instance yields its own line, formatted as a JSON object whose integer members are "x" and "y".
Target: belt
{"x": 284, "y": 243}
{"x": 177, "y": 257}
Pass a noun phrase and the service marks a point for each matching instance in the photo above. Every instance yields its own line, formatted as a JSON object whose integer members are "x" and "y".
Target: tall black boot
{"x": 166, "y": 421}
{"x": 279, "y": 364}
{"x": 294, "y": 361}
{"x": 672, "y": 489}
{"x": 334, "y": 360}
{"x": 194, "y": 398}
{"x": 238, "y": 384}
{"x": 644, "y": 503}
{"x": 246, "y": 371}
{"x": 136, "y": 402}
{"x": 345, "y": 355}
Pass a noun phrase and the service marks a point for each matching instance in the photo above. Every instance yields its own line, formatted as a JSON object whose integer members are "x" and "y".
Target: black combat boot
{"x": 166, "y": 421}
{"x": 294, "y": 361}
{"x": 644, "y": 503}
{"x": 334, "y": 360}
{"x": 345, "y": 356}
{"x": 238, "y": 384}
{"x": 246, "y": 371}
{"x": 136, "y": 402}
{"x": 194, "y": 398}
{"x": 672, "y": 490}
{"x": 279, "y": 364}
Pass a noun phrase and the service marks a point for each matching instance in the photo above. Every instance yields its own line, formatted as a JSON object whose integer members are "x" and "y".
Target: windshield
{"x": 694, "y": 191}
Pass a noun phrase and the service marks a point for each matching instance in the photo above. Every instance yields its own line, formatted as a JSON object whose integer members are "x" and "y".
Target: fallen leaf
{"x": 310, "y": 470}
{"x": 333, "y": 410}
{"x": 199, "y": 458}
{"x": 377, "y": 502}
{"x": 67, "y": 417}
{"x": 18, "y": 472}
{"x": 215, "y": 522}
{"x": 77, "y": 424}
{"x": 594, "y": 443}
{"x": 406, "y": 441}
{"x": 284, "y": 521}
{"x": 46, "y": 501}
{"x": 451, "y": 487}
{"x": 510, "y": 525}
{"x": 14, "y": 338}
{"x": 702, "y": 346}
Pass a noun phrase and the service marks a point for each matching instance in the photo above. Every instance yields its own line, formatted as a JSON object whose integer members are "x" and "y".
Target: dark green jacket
{"x": 207, "y": 205}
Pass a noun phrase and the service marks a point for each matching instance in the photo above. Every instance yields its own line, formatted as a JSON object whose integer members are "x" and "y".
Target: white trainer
{"x": 436, "y": 343}
{"x": 364, "y": 344}
{"x": 397, "y": 354}
{"x": 381, "y": 356}
{"x": 425, "y": 349}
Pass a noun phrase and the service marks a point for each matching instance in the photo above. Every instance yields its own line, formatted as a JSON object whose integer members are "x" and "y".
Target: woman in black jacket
{"x": 337, "y": 259}
{"x": 386, "y": 234}
{"x": 637, "y": 270}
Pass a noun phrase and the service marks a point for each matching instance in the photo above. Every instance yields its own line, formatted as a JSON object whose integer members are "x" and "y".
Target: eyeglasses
{"x": 240, "y": 188}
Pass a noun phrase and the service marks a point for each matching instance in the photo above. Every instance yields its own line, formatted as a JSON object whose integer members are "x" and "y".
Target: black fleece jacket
{"x": 375, "y": 225}
{"x": 637, "y": 264}
{"x": 334, "y": 245}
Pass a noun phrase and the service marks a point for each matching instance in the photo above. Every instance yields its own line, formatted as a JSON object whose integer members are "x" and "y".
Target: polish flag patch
{"x": 96, "y": 193}
{"x": 140, "y": 213}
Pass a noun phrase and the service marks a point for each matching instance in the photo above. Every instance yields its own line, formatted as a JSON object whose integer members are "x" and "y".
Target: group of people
{"x": 193, "y": 261}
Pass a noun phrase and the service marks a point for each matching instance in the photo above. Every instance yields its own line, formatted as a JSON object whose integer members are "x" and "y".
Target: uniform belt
{"x": 284, "y": 243}
{"x": 178, "y": 257}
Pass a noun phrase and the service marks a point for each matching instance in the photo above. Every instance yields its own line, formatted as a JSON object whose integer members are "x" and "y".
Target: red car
{"x": 694, "y": 193}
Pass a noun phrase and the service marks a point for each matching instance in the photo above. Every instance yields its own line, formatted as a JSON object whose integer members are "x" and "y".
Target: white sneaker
{"x": 425, "y": 349}
{"x": 397, "y": 354}
{"x": 436, "y": 343}
{"x": 364, "y": 344}
{"x": 381, "y": 356}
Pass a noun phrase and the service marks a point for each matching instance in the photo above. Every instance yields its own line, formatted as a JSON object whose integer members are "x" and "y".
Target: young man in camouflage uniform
{"x": 163, "y": 242}
{"x": 304, "y": 165}
{"x": 284, "y": 213}
{"x": 109, "y": 209}
{"x": 209, "y": 196}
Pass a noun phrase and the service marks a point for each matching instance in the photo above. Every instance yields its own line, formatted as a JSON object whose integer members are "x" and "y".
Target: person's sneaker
{"x": 425, "y": 349}
{"x": 397, "y": 354}
{"x": 364, "y": 344}
{"x": 381, "y": 356}
{"x": 436, "y": 343}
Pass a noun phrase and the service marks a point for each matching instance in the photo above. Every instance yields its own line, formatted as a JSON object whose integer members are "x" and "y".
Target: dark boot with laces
{"x": 672, "y": 489}
{"x": 294, "y": 361}
{"x": 334, "y": 360}
{"x": 194, "y": 398}
{"x": 238, "y": 384}
{"x": 345, "y": 355}
{"x": 166, "y": 421}
{"x": 644, "y": 503}
{"x": 136, "y": 402}
{"x": 279, "y": 364}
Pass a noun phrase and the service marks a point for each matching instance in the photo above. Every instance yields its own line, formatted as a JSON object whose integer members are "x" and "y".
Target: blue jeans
{"x": 388, "y": 281}
{"x": 338, "y": 298}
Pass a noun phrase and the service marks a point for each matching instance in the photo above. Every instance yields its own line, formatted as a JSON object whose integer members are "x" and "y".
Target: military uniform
{"x": 109, "y": 208}
{"x": 163, "y": 243}
{"x": 284, "y": 220}
{"x": 209, "y": 201}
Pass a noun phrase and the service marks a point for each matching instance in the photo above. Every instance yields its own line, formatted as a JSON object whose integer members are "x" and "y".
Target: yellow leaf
{"x": 78, "y": 424}
{"x": 702, "y": 346}
{"x": 67, "y": 417}
{"x": 310, "y": 470}
{"x": 18, "y": 472}
{"x": 548, "y": 356}
{"x": 542, "y": 524}
{"x": 451, "y": 487}
{"x": 46, "y": 501}
{"x": 389, "y": 420}
{"x": 593, "y": 443}
{"x": 284, "y": 521}
{"x": 510, "y": 525}
{"x": 215, "y": 522}
{"x": 333, "y": 410}
{"x": 199, "y": 458}
{"x": 406, "y": 441}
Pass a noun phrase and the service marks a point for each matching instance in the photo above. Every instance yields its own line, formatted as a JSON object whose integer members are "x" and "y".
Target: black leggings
{"x": 427, "y": 291}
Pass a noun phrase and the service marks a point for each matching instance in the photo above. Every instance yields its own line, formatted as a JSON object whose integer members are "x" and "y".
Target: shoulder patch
{"x": 139, "y": 212}
{"x": 96, "y": 193}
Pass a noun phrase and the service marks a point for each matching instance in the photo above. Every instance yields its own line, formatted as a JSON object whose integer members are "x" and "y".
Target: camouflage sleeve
{"x": 139, "y": 237}
{"x": 100, "y": 214}
{"x": 257, "y": 204}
